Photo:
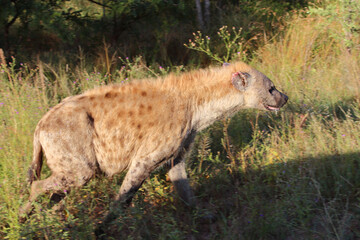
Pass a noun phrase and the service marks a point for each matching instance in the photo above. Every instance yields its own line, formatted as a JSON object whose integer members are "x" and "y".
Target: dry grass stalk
{"x": 2, "y": 57}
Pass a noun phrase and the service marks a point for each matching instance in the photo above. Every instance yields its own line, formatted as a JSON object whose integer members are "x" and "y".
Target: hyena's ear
{"x": 240, "y": 80}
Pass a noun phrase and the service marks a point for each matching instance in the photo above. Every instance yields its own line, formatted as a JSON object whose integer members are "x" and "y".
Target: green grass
{"x": 294, "y": 175}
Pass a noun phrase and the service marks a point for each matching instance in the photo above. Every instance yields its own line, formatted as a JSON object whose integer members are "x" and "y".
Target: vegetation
{"x": 101, "y": 31}
{"x": 291, "y": 175}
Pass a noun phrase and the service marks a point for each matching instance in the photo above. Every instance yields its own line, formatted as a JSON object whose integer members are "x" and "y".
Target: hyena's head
{"x": 258, "y": 90}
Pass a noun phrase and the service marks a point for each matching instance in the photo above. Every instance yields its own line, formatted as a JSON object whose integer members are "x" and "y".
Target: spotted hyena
{"x": 139, "y": 126}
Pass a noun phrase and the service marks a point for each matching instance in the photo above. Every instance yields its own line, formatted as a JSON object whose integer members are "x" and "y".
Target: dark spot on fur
{"x": 82, "y": 97}
{"x": 143, "y": 93}
{"x": 141, "y": 105}
{"x": 110, "y": 123}
{"x": 119, "y": 114}
{"x": 92, "y": 98}
{"x": 138, "y": 126}
{"x": 131, "y": 113}
{"x": 140, "y": 136}
{"x": 90, "y": 164}
{"x": 109, "y": 95}
{"x": 79, "y": 109}
{"x": 121, "y": 141}
{"x": 59, "y": 122}
{"x": 145, "y": 165}
{"x": 72, "y": 127}
{"x": 149, "y": 108}
{"x": 66, "y": 147}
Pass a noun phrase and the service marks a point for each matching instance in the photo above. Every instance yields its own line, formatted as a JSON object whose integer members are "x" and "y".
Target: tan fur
{"x": 139, "y": 126}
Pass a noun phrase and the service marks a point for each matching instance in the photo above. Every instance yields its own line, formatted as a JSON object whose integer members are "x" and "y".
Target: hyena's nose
{"x": 285, "y": 99}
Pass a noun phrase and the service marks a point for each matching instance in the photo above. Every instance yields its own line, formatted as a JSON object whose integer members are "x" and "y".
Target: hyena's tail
{"x": 36, "y": 164}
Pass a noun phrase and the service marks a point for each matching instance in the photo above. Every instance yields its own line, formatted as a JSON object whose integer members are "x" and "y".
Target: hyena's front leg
{"x": 178, "y": 177}
{"x": 177, "y": 172}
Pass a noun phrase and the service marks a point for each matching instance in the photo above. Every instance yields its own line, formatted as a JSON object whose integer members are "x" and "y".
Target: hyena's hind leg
{"x": 69, "y": 172}
{"x": 56, "y": 183}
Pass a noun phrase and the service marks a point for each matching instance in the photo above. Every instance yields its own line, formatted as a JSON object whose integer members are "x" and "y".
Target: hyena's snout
{"x": 283, "y": 99}
{"x": 276, "y": 101}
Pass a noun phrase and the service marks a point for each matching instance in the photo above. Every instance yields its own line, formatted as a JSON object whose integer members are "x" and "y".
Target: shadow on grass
{"x": 307, "y": 198}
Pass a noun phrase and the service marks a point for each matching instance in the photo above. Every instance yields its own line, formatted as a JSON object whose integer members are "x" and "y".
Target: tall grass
{"x": 294, "y": 175}
{"x": 311, "y": 63}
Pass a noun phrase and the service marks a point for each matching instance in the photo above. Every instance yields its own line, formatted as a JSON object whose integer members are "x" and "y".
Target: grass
{"x": 294, "y": 175}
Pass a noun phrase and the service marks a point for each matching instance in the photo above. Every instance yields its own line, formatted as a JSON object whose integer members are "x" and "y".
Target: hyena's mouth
{"x": 271, "y": 108}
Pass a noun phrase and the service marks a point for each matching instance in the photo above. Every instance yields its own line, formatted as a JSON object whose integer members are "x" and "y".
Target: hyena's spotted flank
{"x": 139, "y": 126}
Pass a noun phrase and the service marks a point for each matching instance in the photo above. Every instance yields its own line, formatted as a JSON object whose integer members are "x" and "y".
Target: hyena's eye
{"x": 271, "y": 89}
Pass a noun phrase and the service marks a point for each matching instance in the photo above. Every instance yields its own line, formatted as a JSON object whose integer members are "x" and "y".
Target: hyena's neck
{"x": 209, "y": 111}
{"x": 210, "y": 94}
